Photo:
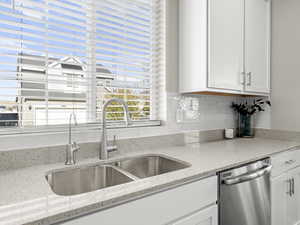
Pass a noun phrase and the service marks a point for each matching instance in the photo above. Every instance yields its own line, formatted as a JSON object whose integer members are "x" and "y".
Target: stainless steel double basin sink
{"x": 82, "y": 179}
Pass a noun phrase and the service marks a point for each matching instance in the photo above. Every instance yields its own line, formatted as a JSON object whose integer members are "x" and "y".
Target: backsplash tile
{"x": 198, "y": 112}
{"x": 278, "y": 134}
{"x": 202, "y": 112}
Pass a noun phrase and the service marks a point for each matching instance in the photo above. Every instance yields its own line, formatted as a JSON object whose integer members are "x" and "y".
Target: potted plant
{"x": 246, "y": 111}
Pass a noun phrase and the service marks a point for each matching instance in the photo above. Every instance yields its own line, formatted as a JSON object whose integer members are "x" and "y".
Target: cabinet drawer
{"x": 208, "y": 216}
{"x": 157, "y": 209}
{"x": 285, "y": 161}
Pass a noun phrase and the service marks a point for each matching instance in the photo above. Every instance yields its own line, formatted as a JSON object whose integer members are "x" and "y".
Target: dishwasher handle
{"x": 247, "y": 177}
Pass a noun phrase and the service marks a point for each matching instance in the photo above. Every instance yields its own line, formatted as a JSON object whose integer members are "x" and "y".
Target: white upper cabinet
{"x": 193, "y": 45}
{"x": 225, "y": 51}
{"x": 257, "y": 45}
{"x": 224, "y": 46}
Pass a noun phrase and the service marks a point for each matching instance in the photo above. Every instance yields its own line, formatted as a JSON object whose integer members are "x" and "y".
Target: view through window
{"x": 64, "y": 56}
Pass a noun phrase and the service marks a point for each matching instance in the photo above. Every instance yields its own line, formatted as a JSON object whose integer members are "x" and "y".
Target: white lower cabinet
{"x": 293, "y": 203}
{"x": 285, "y": 193}
{"x": 207, "y": 216}
{"x": 279, "y": 190}
{"x": 181, "y": 205}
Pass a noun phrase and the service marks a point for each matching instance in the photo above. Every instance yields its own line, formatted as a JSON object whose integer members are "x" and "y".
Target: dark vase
{"x": 245, "y": 126}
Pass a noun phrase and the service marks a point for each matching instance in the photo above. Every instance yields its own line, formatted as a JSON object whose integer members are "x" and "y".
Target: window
{"x": 63, "y": 56}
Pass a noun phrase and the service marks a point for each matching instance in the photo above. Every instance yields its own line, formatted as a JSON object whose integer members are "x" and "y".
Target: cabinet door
{"x": 279, "y": 198}
{"x": 207, "y": 216}
{"x": 257, "y": 45}
{"x": 157, "y": 209}
{"x": 225, "y": 41}
{"x": 293, "y": 203}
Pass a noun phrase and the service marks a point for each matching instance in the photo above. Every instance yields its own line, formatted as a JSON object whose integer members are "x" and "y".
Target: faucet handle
{"x": 71, "y": 153}
{"x": 114, "y": 146}
{"x": 75, "y": 146}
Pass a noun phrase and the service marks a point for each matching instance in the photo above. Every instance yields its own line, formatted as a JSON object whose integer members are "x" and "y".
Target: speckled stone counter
{"x": 26, "y": 198}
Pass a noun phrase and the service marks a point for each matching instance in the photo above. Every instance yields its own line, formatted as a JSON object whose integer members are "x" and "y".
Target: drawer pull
{"x": 290, "y": 192}
{"x": 289, "y": 162}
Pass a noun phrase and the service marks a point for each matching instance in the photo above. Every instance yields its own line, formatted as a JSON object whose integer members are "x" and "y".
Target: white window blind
{"x": 63, "y": 56}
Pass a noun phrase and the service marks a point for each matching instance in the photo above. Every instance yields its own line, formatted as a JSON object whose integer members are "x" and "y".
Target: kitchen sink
{"x": 87, "y": 178}
{"x": 150, "y": 165}
{"x": 84, "y": 179}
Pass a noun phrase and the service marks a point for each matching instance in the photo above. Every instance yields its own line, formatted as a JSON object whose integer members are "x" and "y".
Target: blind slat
{"x": 63, "y": 56}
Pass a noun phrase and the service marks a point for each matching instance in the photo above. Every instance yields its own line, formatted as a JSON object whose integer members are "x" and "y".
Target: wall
{"x": 285, "y": 65}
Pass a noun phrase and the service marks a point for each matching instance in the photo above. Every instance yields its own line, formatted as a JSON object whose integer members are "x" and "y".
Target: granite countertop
{"x": 26, "y": 198}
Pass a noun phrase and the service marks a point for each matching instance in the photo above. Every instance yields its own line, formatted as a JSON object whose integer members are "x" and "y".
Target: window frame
{"x": 91, "y": 113}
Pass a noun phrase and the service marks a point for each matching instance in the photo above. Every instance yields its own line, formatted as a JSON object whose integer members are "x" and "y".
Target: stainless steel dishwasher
{"x": 245, "y": 195}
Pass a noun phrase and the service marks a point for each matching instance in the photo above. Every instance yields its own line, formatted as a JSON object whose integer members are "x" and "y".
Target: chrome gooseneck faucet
{"x": 105, "y": 148}
{"x": 72, "y": 147}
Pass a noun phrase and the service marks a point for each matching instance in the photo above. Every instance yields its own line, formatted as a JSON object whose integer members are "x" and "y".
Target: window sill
{"x": 80, "y": 127}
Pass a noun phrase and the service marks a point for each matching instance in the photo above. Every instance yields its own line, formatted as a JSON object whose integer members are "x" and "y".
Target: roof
{"x": 70, "y": 62}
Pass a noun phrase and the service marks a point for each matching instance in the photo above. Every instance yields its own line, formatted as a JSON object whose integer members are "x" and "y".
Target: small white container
{"x": 229, "y": 133}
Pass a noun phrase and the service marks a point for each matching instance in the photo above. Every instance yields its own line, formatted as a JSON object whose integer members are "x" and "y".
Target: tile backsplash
{"x": 183, "y": 113}
{"x": 201, "y": 111}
